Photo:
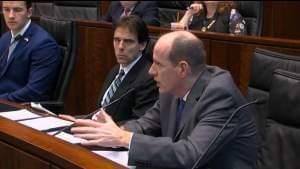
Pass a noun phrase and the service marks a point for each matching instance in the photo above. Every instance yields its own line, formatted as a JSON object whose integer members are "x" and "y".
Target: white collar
{"x": 23, "y": 30}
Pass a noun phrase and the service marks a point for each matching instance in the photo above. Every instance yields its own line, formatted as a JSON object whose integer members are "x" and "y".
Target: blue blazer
{"x": 147, "y": 10}
{"x": 32, "y": 68}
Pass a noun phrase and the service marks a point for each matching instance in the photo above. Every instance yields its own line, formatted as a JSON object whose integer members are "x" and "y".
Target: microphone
{"x": 96, "y": 111}
{"x": 257, "y": 101}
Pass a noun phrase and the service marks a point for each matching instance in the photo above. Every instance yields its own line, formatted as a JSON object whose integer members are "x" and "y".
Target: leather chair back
{"x": 264, "y": 63}
{"x": 252, "y": 11}
{"x": 280, "y": 147}
{"x": 64, "y": 32}
{"x": 71, "y": 10}
{"x": 88, "y": 10}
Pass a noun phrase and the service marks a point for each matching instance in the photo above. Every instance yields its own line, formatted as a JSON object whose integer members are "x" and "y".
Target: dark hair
{"x": 28, "y": 4}
{"x": 135, "y": 25}
{"x": 190, "y": 50}
{"x": 225, "y": 6}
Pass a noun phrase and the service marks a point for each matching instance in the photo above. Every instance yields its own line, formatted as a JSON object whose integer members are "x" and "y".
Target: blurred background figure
{"x": 147, "y": 10}
{"x": 214, "y": 16}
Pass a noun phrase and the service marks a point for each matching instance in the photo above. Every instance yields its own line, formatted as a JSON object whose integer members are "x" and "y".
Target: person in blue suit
{"x": 29, "y": 56}
{"x": 147, "y": 10}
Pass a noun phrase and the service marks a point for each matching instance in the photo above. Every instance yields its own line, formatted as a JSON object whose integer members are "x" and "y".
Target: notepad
{"x": 67, "y": 137}
{"x": 46, "y": 123}
{"x": 120, "y": 157}
{"x": 19, "y": 115}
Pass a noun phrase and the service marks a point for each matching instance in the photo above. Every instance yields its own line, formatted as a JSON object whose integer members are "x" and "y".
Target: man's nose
{"x": 11, "y": 13}
{"x": 121, "y": 44}
{"x": 151, "y": 70}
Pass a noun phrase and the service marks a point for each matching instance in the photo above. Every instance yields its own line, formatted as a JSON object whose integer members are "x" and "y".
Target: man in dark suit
{"x": 130, "y": 40}
{"x": 147, "y": 10}
{"x": 29, "y": 59}
{"x": 187, "y": 124}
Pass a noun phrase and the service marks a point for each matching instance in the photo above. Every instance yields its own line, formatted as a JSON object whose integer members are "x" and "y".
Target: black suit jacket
{"x": 147, "y": 10}
{"x": 135, "y": 103}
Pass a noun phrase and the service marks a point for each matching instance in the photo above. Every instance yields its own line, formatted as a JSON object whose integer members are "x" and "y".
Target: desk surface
{"x": 23, "y": 147}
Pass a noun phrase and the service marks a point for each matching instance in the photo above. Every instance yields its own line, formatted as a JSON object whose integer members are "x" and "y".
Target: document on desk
{"x": 67, "y": 137}
{"x": 19, "y": 115}
{"x": 120, "y": 157}
{"x": 46, "y": 123}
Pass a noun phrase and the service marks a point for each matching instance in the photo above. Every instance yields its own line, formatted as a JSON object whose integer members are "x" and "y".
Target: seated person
{"x": 147, "y": 10}
{"x": 30, "y": 57}
{"x": 214, "y": 16}
{"x": 199, "y": 119}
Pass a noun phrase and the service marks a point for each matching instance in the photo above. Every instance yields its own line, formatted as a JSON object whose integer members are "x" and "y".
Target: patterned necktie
{"x": 6, "y": 54}
{"x": 180, "y": 107}
{"x": 113, "y": 87}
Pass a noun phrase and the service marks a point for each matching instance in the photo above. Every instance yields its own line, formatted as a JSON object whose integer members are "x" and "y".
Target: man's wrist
{"x": 125, "y": 139}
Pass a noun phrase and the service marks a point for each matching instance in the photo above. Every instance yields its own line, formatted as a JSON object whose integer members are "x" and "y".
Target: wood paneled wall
{"x": 96, "y": 58}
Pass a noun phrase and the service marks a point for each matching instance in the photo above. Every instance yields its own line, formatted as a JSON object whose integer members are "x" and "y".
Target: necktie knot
{"x": 126, "y": 11}
{"x": 121, "y": 73}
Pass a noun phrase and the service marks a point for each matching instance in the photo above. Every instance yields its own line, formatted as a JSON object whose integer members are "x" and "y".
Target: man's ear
{"x": 143, "y": 46}
{"x": 29, "y": 13}
{"x": 183, "y": 68}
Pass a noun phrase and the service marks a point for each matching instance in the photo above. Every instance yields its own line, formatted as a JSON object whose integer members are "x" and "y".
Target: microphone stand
{"x": 257, "y": 101}
{"x": 94, "y": 112}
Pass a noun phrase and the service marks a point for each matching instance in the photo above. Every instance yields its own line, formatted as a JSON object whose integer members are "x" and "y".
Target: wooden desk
{"x": 23, "y": 147}
{"x": 96, "y": 58}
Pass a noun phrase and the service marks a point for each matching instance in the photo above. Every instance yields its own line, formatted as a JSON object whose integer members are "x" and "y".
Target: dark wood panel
{"x": 12, "y": 158}
{"x": 95, "y": 59}
{"x": 281, "y": 19}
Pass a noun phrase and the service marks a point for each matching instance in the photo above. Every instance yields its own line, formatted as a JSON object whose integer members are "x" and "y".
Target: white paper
{"x": 67, "y": 137}
{"x": 46, "y": 123}
{"x": 19, "y": 115}
{"x": 120, "y": 157}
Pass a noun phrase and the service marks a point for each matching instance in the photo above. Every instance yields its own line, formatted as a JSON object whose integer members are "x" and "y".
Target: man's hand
{"x": 103, "y": 132}
{"x": 67, "y": 117}
{"x": 195, "y": 8}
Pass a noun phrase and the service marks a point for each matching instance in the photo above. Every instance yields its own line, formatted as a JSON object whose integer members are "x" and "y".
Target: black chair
{"x": 64, "y": 32}
{"x": 252, "y": 11}
{"x": 264, "y": 63}
{"x": 168, "y": 11}
{"x": 42, "y": 9}
{"x": 71, "y": 10}
{"x": 88, "y": 10}
{"x": 280, "y": 146}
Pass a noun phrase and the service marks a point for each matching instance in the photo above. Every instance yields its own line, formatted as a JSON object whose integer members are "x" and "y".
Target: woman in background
{"x": 214, "y": 16}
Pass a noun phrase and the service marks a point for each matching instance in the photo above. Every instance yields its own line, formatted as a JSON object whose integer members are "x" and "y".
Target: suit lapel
{"x": 19, "y": 49}
{"x": 192, "y": 100}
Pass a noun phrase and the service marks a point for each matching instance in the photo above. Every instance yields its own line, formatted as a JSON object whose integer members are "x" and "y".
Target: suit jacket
{"x": 212, "y": 99}
{"x": 147, "y": 10}
{"x": 32, "y": 68}
{"x": 135, "y": 103}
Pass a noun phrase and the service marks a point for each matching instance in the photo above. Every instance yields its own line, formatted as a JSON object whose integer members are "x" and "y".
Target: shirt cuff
{"x": 130, "y": 141}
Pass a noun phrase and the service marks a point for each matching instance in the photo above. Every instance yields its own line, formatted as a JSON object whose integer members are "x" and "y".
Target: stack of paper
{"x": 46, "y": 123}
{"x": 19, "y": 115}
